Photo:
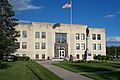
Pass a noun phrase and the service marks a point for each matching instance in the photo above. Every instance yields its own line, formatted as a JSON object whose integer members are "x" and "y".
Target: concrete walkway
{"x": 62, "y": 73}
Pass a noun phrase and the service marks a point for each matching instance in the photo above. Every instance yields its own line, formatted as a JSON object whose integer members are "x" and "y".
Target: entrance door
{"x": 61, "y": 53}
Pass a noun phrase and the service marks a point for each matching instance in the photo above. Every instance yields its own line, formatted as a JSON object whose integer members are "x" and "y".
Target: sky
{"x": 94, "y": 13}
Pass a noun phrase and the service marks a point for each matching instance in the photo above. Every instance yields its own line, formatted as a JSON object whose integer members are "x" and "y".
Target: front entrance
{"x": 61, "y": 53}
{"x": 60, "y": 45}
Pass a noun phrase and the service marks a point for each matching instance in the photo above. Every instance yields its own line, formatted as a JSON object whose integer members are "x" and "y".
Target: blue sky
{"x": 94, "y": 13}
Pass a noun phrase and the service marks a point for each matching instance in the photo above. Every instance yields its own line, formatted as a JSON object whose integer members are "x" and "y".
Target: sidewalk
{"x": 62, "y": 73}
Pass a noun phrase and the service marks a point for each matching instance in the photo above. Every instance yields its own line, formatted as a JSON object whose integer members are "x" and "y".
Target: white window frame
{"x": 37, "y": 45}
{"x": 98, "y": 36}
{"x": 24, "y": 34}
{"x": 99, "y": 46}
{"x": 82, "y": 46}
{"x": 43, "y": 35}
{"x": 93, "y": 36}
{"x": 77, "y": 46}
{"x": 43, "y": 46}
{"x": 24, "y": 45}
{"x": 94, "y": 46}
{"x": 37, "y": 35}
{"x": 77, "y": 36}
{"x": 82, "y": 36}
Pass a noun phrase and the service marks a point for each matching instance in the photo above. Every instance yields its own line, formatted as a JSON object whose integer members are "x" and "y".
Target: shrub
{"x": 80, "y": 61}
{"x": 99, "y": 57}
{"x": 22, "y": 58}
{"x": 15, "y": 58}
{"x": 90, "y": 61}
{"x": 3, "y": 65}
{"x": 104, "y": 57}
{"x": 108, "y": 58}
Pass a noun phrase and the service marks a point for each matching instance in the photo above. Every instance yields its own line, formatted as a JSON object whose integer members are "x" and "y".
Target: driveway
{"x": 62, "y": 73}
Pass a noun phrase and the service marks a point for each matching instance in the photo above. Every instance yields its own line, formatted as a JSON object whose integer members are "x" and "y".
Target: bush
{"x": 90, "y": 61}
{"x": 99, "y": 57}
{"x": 80, "y": 61}
{"x": 104, "y": 57}
{"x": 22, "y": 58}
{"x": 108, "y": 58}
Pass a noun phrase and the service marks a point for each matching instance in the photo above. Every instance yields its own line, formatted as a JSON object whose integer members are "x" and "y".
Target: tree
{"x": 110, "y": 51}
{"x": 113, "y": 51}
{"x": 117, "y": 51}
{"x": 8, "y": 33}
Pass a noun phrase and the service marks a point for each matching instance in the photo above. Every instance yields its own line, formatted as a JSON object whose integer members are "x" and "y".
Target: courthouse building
{"x": 41, "y": 40}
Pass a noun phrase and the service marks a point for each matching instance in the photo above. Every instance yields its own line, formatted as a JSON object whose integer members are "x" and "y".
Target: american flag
{"x": 67, "y": 5}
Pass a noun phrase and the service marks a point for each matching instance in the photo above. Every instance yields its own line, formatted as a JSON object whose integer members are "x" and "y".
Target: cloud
{"x": 113, "y": 39}
{"x": 21, "y": 5}
{"x": 109, "y": 16}
{"x": 112, "y": 15}
{"x": 118, "y": 12}
{"x": 24, "y": 21}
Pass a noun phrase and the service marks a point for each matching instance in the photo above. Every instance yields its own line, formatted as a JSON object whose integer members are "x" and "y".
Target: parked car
{"x": 11, "y": 57}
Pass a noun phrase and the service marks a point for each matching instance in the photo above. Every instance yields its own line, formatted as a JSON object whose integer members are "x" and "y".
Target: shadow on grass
{"x": 33, "y": 72}
{"x": 104, "y": 76}
{"x": 115, "y": 65}
{"x": 96, "y": 69}
{"x": 4, "y": 65}
{"x": 83, "y": 68}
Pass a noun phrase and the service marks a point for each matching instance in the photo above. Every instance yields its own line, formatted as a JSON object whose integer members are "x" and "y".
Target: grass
{"x": 26, "y": 70}
{"x": 104, "y": 76}
{"x": 93, "y": 69}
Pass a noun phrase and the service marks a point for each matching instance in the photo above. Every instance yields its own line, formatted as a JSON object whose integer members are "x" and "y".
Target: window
{"x": 82, "y": 36}
{"x": 37, "y": 35}
{"x": 43, "y": 34}
{"x": 93, "y": 36}
{"x": 60, "y": 37}
{"x": 94, "y": 46}
{"x": 89, "y": 54}
{"x": 37, "y": 56}
{"x": 77, "y": 56}
{"x": 99, "y": 46}
{"x": 77, "y": 36}
{"x": 24, "y": 34}
{"x": 43, "y": 46}
{"x": 98, "y": 36}
{"x": 24, "y": 45}
{"x": 77, "y": 46}
{"x": 37, "y": 45}
{"x": 43, "y": 56}
{"x": 23, "y": 55}
{"x": 17, "y": 45}
{"x": 17, "y": 54}
{"x": 82, "y": 46}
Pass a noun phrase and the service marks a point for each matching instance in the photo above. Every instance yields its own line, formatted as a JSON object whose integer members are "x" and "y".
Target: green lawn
{"x": 26, "y": 70}
{"x": 93, "y": 69}
{"x": 104, "y": 76}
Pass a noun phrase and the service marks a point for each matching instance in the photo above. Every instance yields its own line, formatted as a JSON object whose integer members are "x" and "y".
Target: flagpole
{"x": 69, "y": 5}
{"x": 71, "y": 14}
{"x": 71, "y": 52}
